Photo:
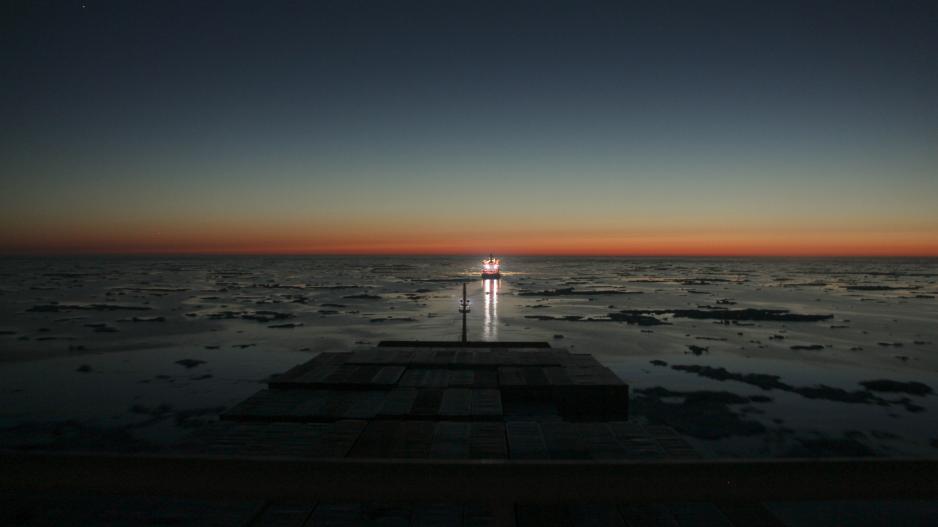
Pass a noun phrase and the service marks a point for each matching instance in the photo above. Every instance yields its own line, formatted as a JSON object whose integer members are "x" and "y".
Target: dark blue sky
{"x": 639, "y": 119}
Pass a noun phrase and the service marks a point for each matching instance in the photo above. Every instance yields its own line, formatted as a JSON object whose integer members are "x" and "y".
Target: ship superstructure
{"x": 490, "y": 268}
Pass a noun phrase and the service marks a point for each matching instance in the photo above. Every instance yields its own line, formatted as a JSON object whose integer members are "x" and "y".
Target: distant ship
{"x": 490, "y": 268}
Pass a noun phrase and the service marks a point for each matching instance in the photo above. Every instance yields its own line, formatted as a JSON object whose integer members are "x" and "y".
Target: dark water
{"x": 90, "y": 348}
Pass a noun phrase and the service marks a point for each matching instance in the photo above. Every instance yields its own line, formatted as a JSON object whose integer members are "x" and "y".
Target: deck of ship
{"x": 434, "y": 434}
{"x": 443, "y": 403}
{"x": 406, "y": 401}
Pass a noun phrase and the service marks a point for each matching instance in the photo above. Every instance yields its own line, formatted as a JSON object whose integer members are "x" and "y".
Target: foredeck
{"x": 450, "y": 403}
{"x": 440, "y": 435}
{"x": 440, "y": 402}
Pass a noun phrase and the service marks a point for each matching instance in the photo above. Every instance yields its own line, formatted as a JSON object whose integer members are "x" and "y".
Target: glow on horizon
{"x": 511, "y": 242}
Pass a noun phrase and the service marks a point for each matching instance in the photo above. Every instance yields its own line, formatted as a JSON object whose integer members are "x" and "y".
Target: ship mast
{"x": 464, "y": 308}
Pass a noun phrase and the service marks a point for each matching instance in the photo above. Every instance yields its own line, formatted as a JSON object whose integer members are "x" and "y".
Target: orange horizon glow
{"x": 519, "y": 243}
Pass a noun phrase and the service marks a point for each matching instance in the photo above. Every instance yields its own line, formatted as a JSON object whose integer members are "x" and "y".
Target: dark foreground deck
{"x": 415, "y": 434}
{"x": 413, "y": 402}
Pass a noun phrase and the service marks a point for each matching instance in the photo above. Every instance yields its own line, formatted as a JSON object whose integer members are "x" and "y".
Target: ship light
{"x": 490, "y": 266}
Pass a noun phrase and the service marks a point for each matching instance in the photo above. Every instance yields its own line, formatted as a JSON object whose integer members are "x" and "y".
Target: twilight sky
{"x": 374, "y": 127}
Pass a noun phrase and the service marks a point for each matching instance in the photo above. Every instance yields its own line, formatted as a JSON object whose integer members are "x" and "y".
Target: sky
{"x": 451, "y": 127}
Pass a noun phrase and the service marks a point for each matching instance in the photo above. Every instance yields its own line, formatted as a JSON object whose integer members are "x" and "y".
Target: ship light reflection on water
{"x": 490, "y": 317}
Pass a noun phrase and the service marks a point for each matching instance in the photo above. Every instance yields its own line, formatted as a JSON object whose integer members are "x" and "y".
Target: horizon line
{"x": 65, "y": 254}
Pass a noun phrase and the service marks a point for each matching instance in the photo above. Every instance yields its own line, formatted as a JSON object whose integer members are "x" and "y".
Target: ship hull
{"x": 491, "y": 276}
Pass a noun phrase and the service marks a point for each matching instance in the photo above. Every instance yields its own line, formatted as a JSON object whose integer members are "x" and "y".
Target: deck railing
{"x": 461, "y": 481}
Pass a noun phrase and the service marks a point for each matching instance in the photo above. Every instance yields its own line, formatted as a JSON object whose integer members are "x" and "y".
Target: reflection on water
{"x": 490, "y": 319}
